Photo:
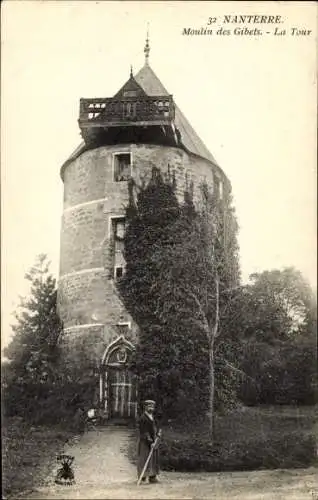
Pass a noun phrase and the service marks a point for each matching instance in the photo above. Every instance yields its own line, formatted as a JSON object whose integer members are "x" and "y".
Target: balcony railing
{"x": 110, "y": 112}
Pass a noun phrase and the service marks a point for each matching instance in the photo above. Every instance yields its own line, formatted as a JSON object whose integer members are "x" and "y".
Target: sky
{"x": 251, "y": 99}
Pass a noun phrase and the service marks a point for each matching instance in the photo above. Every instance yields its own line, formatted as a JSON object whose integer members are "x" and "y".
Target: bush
{"x": 285, "y": 373}
{"x": 197, "y": 454}
{"x": 44, "y": 404}
{"x": 28, "y": 453}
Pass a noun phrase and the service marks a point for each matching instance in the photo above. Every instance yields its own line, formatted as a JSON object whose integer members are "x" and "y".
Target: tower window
{"x": 117, "y": 235}
{"x": 122, "y": 166}
{"x": 118, "y": 224}
{"x": 119, "y": 271}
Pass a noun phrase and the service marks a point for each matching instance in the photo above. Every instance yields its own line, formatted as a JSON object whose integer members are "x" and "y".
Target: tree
{"x": 278, "y": 331}
{"x": 164, "y": 353}
{"x": 203, "y": 268}
{"x": 282, "y": 301}
{"x": 182, "y": 270}
{"x": 33, "y": 352}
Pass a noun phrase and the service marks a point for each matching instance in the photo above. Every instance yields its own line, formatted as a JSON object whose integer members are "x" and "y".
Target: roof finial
{"x": 147, "y": 47}
{"x": 131, "y": 71}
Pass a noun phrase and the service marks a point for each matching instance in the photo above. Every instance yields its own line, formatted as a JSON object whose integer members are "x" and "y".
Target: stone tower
{"x": 124, "y": 135}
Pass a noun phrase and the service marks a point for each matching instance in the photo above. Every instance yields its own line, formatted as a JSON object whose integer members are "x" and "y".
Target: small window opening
{"x": 119, "y": 271}
{"x": 122, "y": 167}
{"x": 123, "y": 329}
{"x": 119, "y": 228}
{"x": 118, "y": 233}
{"x": 130, "y": 93}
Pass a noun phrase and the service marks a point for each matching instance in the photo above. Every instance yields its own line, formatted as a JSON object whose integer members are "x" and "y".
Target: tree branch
{"x": 215, "y": 330}
{"x": 206, "y": 325}
{"x": 237, "y": 370}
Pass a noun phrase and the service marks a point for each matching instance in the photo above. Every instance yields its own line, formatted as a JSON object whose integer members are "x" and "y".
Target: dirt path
{"x": 102, "y": 471}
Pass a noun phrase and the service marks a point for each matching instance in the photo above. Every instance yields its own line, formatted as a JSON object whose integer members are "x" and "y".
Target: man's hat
{"x": 149, "y": 402}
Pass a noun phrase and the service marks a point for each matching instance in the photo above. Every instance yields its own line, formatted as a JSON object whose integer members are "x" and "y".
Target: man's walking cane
{"x": 153, "y": 445}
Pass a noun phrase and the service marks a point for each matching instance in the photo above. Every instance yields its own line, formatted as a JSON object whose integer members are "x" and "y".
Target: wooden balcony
{"x": 127, "y": 112}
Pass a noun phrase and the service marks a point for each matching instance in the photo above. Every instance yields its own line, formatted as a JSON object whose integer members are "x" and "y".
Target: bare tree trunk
{"x": 213, "y": 335}
{"x": 211, "y": 393}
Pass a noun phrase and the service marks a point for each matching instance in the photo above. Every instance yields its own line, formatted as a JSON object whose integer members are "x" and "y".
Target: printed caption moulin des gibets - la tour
{"x": 247, "y": 25}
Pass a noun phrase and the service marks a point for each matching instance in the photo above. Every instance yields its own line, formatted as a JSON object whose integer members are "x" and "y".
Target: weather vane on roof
{"x": 147, "y": 46}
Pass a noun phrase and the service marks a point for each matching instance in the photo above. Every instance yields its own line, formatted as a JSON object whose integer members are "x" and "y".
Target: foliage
{"x": 248, "y": 438}
{"x": 32, "y": 377}
{"x": 173, "y": 255}
{"x": 278, "y": 331}
{"x": 27, "y": 454}
{"x": 202, "y": 267}
{"x": 42, "y": 382}
{"x": 167, "y": 350}
{"x": 281, "y": 303}
{"x": 33, "y": 350}
{"x": 283, "y": 373}
{"x": 285, "y": 451}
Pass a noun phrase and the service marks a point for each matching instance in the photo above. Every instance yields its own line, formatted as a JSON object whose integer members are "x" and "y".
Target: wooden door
{"x": 122, "y": 394}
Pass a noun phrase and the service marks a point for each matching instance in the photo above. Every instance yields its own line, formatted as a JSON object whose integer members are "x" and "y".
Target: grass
{"x": 245, "y": 439}
{"x": 27, "y": 452}
{"x": 252, "y": 422}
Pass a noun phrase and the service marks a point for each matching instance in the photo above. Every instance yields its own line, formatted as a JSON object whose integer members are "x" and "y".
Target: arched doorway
{"x": 118, "y": 385}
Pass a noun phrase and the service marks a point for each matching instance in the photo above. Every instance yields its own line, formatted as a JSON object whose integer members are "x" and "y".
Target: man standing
{"x": 148, "y": 432}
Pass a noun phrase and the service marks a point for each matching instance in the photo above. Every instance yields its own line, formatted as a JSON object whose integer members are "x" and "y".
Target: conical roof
{"x": 151, "y": 84}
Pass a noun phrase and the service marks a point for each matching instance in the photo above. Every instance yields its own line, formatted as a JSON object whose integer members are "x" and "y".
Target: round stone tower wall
{"x": 89, "y": 305}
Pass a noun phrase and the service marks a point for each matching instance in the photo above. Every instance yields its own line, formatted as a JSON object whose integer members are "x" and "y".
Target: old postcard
{"x": 159, "y": 249}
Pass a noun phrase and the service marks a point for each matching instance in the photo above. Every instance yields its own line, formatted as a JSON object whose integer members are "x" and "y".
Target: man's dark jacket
{"x": 147, "y": 434}
{"x": 147, "y": 429}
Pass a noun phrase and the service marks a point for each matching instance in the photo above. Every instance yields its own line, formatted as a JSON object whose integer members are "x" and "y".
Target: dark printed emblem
{"x": 65, "y": 474}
